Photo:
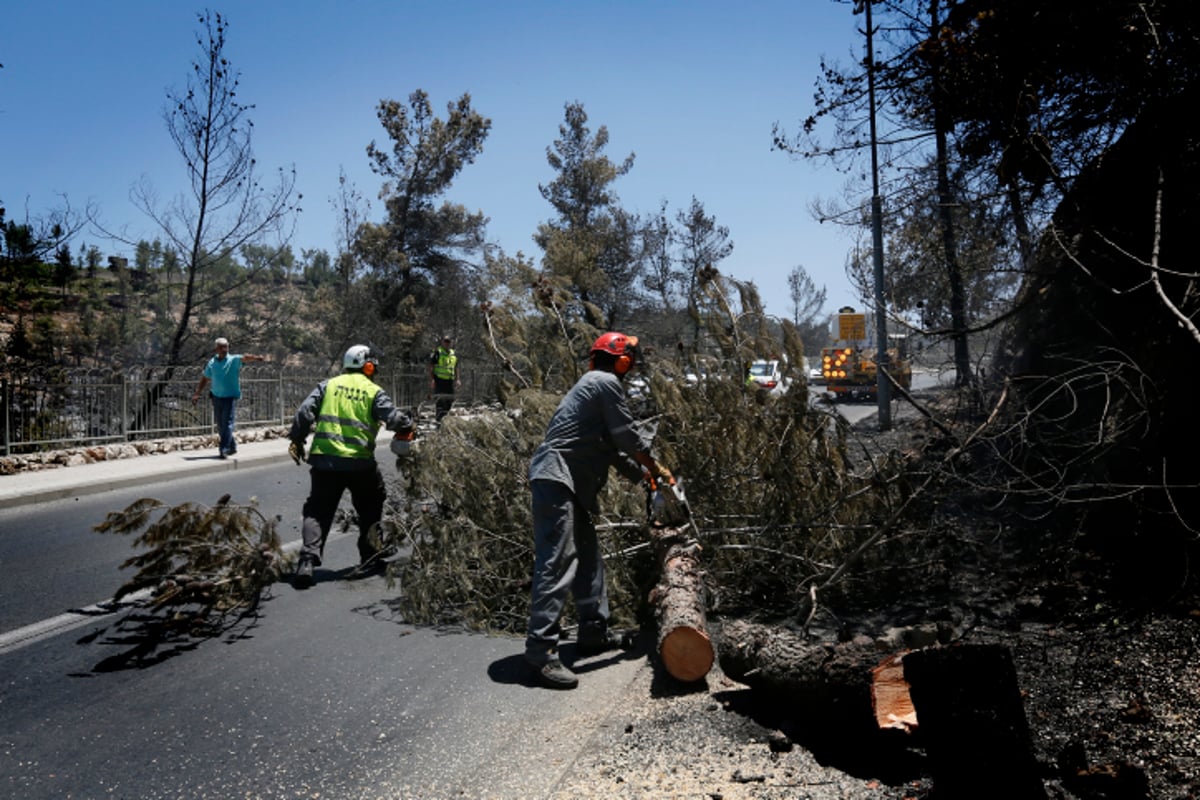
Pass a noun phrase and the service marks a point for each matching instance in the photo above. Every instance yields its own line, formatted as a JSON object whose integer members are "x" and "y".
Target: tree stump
{"x": 891, "y": 697}
{"x": 962, "y": 700}
{"x": 678, "y": 600}
{"x": 973, "y": 722}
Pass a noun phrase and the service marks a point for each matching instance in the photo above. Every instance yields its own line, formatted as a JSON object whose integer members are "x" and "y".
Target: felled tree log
{"x": 830, "y": 683}
{"x": 684, "y": 646}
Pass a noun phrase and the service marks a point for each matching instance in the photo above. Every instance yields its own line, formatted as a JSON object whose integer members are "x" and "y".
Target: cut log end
{"x": 890, "y": 696}
{"x": 687, "y": 654}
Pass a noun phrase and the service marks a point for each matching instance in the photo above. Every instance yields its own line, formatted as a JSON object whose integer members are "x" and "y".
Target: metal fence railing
{"x": 57, "y": 408}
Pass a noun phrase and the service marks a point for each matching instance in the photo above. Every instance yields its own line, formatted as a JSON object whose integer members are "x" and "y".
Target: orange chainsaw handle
{"x": 653, "y": 468}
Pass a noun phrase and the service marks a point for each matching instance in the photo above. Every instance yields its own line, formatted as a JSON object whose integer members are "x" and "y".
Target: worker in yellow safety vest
{"x": 344, "y": 414}
{"x": 443, "y": 376}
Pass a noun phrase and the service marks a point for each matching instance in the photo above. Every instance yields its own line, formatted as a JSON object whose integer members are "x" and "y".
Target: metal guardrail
{"x": 61, "y": 407}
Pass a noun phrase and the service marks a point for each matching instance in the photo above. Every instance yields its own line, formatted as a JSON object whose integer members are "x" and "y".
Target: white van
{"x": 768, "y": 374}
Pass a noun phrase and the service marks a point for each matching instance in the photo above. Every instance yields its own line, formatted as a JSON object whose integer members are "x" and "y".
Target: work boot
{"x": 553, "y": 674}
{"x": 304, "y": 572}
{"x": 596, "y": 638}
{"x": 595, "y": 645}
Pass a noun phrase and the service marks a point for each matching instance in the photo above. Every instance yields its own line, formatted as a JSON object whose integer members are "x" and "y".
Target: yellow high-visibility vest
{"x": 446, "y": 362}
{"x": 346, "y": 426}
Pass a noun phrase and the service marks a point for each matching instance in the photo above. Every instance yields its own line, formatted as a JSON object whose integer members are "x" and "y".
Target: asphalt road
{"x": 328, "y": 693}
{"x": 54, "y": 561}
{"x": 861, "y": 409}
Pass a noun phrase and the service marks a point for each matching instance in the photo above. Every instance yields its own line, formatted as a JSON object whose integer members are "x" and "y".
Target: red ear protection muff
{"x": 621, "y": 365}
{"x": 369, "y": 368}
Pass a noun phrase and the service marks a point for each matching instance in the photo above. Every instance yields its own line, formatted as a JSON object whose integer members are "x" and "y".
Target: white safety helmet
{"x": 356, "y": 357}
{"x": 360, "y": 358}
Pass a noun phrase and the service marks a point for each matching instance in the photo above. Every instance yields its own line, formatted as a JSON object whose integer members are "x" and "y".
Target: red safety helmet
{"x": 619, "y": 345}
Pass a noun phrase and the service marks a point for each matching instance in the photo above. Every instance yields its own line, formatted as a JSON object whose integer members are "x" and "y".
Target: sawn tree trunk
{"x": 678, "y": 599}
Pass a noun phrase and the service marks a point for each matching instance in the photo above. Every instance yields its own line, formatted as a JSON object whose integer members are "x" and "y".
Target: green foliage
{"x": 317, "y": 269}
{"x": 777, "y": 504}
{"x": 417, "y": 255}
{"x": 592, "y": 241}
{"x": 770, "y": 481}
{"x": 64, "y": 268}
{"x": 205, "y": 566}
{"x": 704, "y": 244}
{"x": 48, "y": 339}
{"x": 466, "y": 515}
{"x": 472, "y": 542}
{"x": 19, "y": 347}
{"x": 918, "y": 283}
{"x": 531, "y": 326}
{"x": 781, "y": 512}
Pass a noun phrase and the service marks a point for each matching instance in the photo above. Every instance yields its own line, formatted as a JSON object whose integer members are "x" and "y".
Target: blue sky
{"x": 692, "y": 88}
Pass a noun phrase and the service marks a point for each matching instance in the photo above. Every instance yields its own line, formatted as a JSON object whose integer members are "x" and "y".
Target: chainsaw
{"x": 669, "y": 506}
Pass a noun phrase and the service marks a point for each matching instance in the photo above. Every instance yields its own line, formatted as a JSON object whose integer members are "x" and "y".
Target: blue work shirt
{"x": 224, "y": 373}
{"x": 590, "y": 431}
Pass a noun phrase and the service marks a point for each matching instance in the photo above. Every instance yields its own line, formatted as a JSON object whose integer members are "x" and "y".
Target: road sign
{"x": 852, "y": 326}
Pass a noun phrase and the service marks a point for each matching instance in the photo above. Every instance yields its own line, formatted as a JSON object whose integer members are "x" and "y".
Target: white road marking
{"x": 14, "y": 640}
{"x": 44, "y": 629}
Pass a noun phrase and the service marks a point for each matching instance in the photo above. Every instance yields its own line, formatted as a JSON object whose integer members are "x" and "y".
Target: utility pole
{"x": 883, "y": 387}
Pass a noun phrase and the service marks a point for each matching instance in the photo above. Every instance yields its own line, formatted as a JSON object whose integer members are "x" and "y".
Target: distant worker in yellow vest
{"x": 443, "y": 376}
{"x": 344, "y": 414}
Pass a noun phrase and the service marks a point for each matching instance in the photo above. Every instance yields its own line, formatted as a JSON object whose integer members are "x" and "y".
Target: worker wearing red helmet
{"x": 591, "y": 430}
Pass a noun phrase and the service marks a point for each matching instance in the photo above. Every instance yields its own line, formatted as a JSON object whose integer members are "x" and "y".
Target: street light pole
{"x": 883, "y": 387}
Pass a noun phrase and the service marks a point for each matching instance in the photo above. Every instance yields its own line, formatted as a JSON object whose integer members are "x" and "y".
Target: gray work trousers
{"x": 368, "y": 494}
{"x": 566, "y": 560}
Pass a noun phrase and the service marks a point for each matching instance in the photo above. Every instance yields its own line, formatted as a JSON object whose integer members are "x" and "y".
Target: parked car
{"x": 637, "y": 387}
{"x": 768, "y": 374}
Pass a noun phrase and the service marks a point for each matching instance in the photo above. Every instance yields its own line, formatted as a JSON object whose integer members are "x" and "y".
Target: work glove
{"x": 296, "y": 451}
{"x": 654, "y": 469}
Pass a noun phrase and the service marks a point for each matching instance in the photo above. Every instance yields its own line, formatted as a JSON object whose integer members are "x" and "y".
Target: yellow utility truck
{"x": 850, "y": 369}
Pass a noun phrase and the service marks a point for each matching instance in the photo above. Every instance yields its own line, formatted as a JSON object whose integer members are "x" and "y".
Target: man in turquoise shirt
{"x": 223, "y": 373}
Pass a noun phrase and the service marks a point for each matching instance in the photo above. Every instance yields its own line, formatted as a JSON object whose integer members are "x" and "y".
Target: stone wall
{"x": 74, "y": 456}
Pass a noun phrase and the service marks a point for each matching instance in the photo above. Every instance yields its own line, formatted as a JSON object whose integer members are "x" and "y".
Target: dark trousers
{"x": 367, "y": 493}
{"x": 443, "y": 395}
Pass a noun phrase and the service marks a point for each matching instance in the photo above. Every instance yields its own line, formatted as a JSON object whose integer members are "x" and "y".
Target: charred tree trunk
{"x": 962, "y": 700}
{"x": 684, "y": 646}
{"x": 973, "y": 722}
{"x": 143, "y": 416}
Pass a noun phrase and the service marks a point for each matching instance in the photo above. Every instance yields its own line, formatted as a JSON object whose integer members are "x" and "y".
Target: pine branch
{"x": 217, "y": 560}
